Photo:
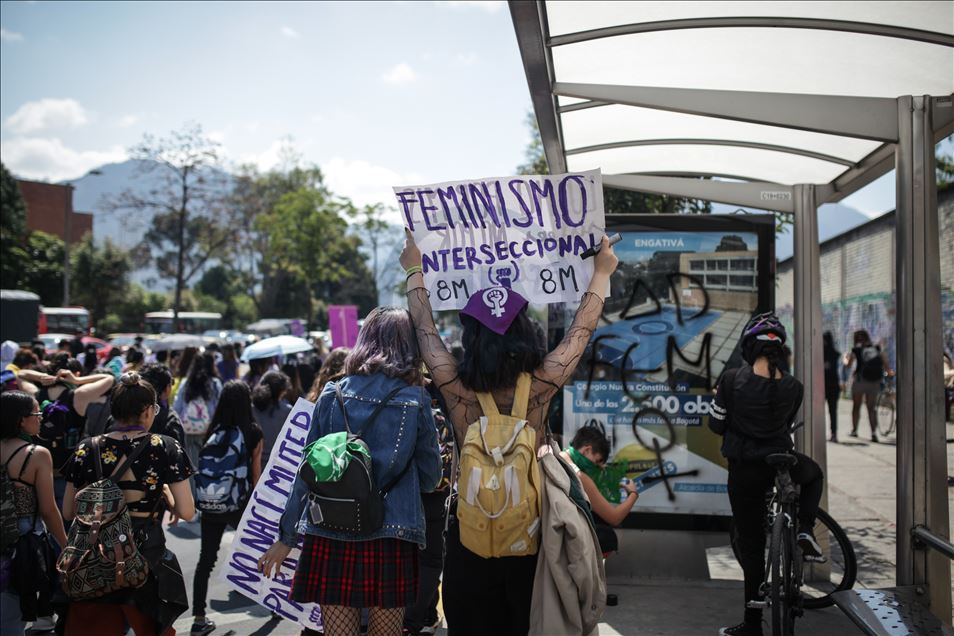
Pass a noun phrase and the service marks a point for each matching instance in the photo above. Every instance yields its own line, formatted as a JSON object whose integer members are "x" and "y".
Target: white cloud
{"x": 218, "y": 136}
{"x": 400, "y": 74}
{"x": 290, "y": 33}
{"x": 127, "y": 121}
{"x": 10, "y": 36}
{"x": 281, "y": 152}
{"x": 490, "y": 6}
{"x": 46, "y": 113}
{"x": 365, "y": 183}
{"x": 49, "y": 158}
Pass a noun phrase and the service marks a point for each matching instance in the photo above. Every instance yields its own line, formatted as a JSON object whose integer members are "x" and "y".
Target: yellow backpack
{"x": 499, "y": 480}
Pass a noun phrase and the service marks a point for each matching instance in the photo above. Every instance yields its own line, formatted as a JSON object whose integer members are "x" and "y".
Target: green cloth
{"x": 606, "y": 479}
{"x": 330, "y": 455}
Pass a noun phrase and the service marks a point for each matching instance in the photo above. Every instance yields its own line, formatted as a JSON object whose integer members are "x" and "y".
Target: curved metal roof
{"x": 779, "y": 93}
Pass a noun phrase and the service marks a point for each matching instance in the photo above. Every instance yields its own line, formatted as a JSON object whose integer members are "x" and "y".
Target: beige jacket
{"x": 569, "y": 587}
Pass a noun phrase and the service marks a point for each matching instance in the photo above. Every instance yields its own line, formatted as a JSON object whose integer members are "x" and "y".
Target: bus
{"x": 194, "y": 322}
{"x": 71, "y": 320}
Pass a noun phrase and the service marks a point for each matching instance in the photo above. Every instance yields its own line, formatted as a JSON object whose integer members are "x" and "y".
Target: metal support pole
{"x": 807, "y": 345}
{"x": 921, "y": 448}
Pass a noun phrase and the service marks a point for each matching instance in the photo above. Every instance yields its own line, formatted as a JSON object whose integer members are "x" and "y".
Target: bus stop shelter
{"x": 781, "y": 106}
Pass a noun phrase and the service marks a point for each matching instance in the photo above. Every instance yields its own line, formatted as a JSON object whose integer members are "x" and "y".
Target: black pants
{"x": 832, "y": 400}
{"x": 486, "y": 596}
{"x": 424, "y": 612}
{"x": 213, "y": 526}
{"x": 748, "y": 483}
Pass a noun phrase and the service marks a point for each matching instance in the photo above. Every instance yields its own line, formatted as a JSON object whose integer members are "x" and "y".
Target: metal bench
{"x": 897, "y": 611}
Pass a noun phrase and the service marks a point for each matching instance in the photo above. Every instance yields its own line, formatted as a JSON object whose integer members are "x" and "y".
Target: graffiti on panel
{"x": 670, "y": 326}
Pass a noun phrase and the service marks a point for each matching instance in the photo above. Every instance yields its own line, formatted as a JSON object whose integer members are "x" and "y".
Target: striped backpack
{"x": 499, "y": 480}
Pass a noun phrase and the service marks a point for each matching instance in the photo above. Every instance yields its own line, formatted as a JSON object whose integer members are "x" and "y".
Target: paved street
{"x": 861, "y": 487}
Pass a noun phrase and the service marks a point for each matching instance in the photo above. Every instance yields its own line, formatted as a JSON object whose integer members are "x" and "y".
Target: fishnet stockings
{"x": 346, "y": 621}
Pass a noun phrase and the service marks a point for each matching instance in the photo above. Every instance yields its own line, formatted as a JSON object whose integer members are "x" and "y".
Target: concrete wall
{"x": 858, "y": 281}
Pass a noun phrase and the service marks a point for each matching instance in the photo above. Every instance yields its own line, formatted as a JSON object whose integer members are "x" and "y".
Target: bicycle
{"x": 885, "y": 405}
{"x": 792, "y": 584}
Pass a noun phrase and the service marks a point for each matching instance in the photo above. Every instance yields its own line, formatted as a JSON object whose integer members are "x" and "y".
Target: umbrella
{"x": 277, "y": 346}
{"x": 177, "y": 341}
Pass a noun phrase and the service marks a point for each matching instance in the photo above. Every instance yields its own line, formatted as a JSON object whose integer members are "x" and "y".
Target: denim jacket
{"x": 404, "y": 432}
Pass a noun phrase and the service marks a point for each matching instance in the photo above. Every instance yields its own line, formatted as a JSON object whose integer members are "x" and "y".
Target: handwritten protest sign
{"x": 258, "y": 529}
{"x": 525, "y": 232}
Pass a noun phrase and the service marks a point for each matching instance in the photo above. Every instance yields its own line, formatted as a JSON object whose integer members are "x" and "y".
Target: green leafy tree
{"x": 13, "y": 230}
{"x": 190, "y": 224}
{"x": 41, "y": 268}
{"x": 309, "y": 244}
{"x": 100, "y": 277}
{"x": 218, "y": 290}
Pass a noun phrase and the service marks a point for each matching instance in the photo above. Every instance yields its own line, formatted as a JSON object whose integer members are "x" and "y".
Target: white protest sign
{"x": 258, "y": 529}
{"x": 525, "y": 232}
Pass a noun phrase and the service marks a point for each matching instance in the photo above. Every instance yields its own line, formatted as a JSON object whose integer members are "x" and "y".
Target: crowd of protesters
{"x": 141, "y": 420}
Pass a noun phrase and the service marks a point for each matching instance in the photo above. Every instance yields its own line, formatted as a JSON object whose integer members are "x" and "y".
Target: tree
{"x": 944, "y": 166}
{"x": 40, "y": 268}
{"x": 13, "y": 229}
{"x": 190, "y": 225}
{"x": 307, "y": 241}
{"x": 378, "y": 235}
{"x": 100, "y": 277}
{"x": 615, "y": 201}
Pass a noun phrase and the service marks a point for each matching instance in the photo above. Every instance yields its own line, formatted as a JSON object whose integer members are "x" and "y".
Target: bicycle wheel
{"x": 821, "y": 580}
{"x": 777, "y": 575}
{"x": 884, "y": 407}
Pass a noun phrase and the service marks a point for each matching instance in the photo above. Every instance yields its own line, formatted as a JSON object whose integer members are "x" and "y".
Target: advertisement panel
{"x": 684, "y": 288}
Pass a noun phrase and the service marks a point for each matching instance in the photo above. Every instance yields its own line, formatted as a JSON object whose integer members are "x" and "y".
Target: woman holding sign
{"x": 501, "y": 352}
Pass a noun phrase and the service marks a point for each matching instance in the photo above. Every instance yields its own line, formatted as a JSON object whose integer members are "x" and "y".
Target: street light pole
{"x": 67, "y": 235}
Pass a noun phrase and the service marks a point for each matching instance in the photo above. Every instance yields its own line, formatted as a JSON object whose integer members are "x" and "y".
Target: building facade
{"x": 858, "y": 281}
{"x": 50, "y": 209}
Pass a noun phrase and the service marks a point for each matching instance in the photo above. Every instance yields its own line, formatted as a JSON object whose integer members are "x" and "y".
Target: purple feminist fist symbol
{"x": 495, "y": 298}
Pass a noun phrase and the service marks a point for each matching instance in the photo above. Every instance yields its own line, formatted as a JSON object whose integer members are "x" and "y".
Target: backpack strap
{"x": 374, "y": 414}
{"x": 487, "y": 404}
{"x": 521, "y": 396}
{"x": 124, "y": 466}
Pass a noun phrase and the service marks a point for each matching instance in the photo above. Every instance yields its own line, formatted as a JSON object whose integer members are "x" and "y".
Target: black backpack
{"x": 872, "y": 366}
{"x": 60, "y": 429}
{"x": 351, "y": 504}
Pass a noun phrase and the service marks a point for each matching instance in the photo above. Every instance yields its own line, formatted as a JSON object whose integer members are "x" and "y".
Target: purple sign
{"x": 343, "y": 323}
{"x": 297, "y": 329}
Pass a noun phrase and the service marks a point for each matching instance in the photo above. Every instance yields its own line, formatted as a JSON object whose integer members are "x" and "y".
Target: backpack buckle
{"x": 497, "y": 454}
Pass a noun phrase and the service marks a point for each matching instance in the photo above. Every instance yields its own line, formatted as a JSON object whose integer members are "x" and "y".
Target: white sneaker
{"x": 43, "y": 624}
{"x": 811, "y": 551}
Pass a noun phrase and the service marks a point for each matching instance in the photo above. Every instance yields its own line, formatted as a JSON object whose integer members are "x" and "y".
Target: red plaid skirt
{"x": 375, "y": 573}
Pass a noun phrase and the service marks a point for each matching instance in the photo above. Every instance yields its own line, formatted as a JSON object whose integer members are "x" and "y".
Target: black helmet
{"x": 760, "y": 332}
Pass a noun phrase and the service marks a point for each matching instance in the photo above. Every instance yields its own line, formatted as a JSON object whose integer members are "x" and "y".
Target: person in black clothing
{"x": 832, "y": 385}
{"x": 234, "y": 409}
{"x": 167, "y": 421}
{"x": 754, "y": 408}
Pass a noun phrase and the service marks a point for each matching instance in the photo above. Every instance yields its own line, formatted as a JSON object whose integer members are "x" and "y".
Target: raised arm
{"x": 559, "y": 364}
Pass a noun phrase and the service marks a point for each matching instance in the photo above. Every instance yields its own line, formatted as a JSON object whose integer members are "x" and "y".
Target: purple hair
{"x": 386, "y": 344}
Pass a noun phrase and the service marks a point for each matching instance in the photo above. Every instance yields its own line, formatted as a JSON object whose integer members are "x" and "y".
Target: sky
{"x": 376, "y": 94}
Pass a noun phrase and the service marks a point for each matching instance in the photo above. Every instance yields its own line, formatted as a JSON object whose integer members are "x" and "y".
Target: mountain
{"x": 93, "y": 191}
{"x": 833, "y": 219}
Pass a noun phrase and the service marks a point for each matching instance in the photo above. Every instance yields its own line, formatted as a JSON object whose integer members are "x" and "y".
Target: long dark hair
{"x": 331, "y": 369}
{"x": 828, "y": 344}
{"x": 270, "y": 390}
{"x": 131, "y": 396}
{"x": 185, "y": 361}
{"x": 491, "y": 360}
{"x": 14, "y": 407}
{"x": 862, "y": 336}
{"x": 234, "y": 410}
{"x": 386, "y": 344}
{"x": 89, "y": 361}
{"x": 199, "y": 380}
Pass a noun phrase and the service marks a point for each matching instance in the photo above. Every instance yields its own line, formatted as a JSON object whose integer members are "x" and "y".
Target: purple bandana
{"x": 495, "y": 307}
